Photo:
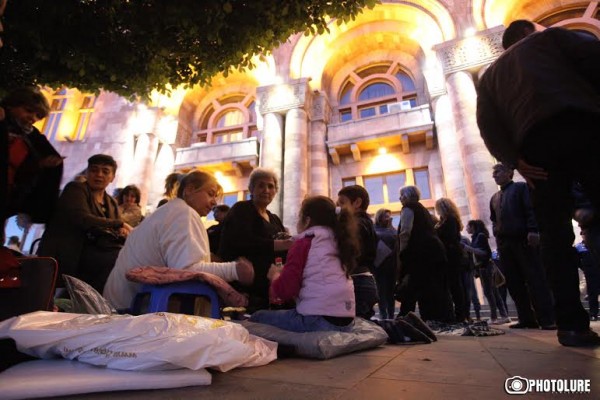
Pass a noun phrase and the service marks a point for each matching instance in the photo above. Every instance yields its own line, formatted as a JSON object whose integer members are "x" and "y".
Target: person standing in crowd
{"x": 588, "y": 262}
{"x": 86, "y": 232}
{"x": 545, "y": 86}
{"x": 356, "y": 199}
{"x": 482, "y": 253}
{"x": 30, "y": 168}
{"x": 251, "y": 231}
{"x": 423, "y": 261}
{"x": 516, "y": 233}
{"x": 386, "y": 262}
{"x": 448, "y": 230}
{"x": 14, "y": 244}
{"x": 469, "y": 276}
{"x": 171, "y": 186}
{"x": 174, "y": 236}
{"x": 129, "y": 205}
{"x": 214, "y": 231}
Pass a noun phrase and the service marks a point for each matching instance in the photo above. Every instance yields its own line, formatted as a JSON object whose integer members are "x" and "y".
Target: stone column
{"x": 460, "y": 58}
{"x": 477, "y": 160}
{"x": 451, "y": 156}
{"x": 295, "y": 180}
{"x": 318, "y": 161}
{"x": 271, "y": 154}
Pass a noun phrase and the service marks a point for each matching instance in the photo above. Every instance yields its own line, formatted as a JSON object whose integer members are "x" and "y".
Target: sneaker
{"x": 522, "y": 325}
{"x": 421, "y": 325}
{"x": 500, "y": 321}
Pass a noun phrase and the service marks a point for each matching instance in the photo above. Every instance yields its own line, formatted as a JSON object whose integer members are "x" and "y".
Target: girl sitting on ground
{"x": 316, "y": 273}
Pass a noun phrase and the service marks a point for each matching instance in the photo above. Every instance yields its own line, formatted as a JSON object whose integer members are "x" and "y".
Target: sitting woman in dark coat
{"x": 253, "y": 232}
{"x": 79, "y": 235}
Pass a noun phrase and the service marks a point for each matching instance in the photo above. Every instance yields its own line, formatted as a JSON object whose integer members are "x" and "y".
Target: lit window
{"x": 346, "y": 116}
{"x": 346, "y": 93}
{"x": 85, "y": 114}
{"x": 376, "y": 90}
{"x": 57, "y": 106}
{"x": 407, "y": 83}
{"x": 374, "y": 185}
{"x": 230, "y": 118}
{"x": 348, "y": 182}
{"x": 394, "y": 182}
{"x": 367, "y": 112}
{"x": 422, "y": 182}
{"x": 230, "y": 199}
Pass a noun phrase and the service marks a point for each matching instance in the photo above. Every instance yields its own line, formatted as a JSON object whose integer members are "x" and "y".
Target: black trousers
{"x": 567, "y": 148}
{"x": 526, "y": 282}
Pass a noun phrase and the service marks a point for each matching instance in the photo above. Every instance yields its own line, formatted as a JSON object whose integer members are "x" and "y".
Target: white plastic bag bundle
{"x": 157, "y": 341}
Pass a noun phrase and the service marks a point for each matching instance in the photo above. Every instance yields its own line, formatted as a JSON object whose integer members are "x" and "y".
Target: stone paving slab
{"x": 452, "y": 368}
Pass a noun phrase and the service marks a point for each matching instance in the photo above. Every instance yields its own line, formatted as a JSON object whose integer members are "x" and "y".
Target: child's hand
{"x": 274, "y": 272}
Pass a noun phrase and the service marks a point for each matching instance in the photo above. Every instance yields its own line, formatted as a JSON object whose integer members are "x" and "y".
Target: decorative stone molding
{"x": 472, "y": 52}
{"x": 320, "y": 110}
{"x": 284, "y": 96}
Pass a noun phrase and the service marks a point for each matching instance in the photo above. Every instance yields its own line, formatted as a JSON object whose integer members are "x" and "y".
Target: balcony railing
{"x": 203, "y": 154}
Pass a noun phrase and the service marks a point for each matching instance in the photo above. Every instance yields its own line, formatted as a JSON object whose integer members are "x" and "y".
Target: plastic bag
{"x": 323, "y": 345}
{"x": 160, "y": 341}
{"x": 85, "y": 299}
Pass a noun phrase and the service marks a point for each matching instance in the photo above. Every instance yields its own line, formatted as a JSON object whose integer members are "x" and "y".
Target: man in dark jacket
{"x": 538, "y": 109}
{"x": 516, "y": 233}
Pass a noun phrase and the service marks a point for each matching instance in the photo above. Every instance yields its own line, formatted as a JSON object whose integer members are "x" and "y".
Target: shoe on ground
{"x": 522, "y": 325}
{"x": 549, "y": 327}
{"x": 421, "y": 325}
{"x": 587, "y": 338}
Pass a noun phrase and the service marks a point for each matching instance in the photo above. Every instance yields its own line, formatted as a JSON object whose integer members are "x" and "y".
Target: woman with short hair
{"x": 252, "y": 231}
{"x": 129, "y": 205}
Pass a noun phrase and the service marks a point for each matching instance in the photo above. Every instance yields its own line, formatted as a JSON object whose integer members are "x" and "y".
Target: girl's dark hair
{"x": 354, "y": 192}
{"x": 478, "y": 227}
{"x": 130, "y": 189}
{"x": 322, "y": 211}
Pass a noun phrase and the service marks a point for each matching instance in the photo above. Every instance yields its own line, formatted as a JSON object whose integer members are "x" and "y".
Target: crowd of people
{"x": 342, "y": 263}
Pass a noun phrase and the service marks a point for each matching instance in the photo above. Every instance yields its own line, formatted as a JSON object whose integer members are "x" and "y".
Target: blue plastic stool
{"x": 159, "y": 297}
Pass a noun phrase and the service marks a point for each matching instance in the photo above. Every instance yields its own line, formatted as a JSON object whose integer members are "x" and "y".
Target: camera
{"x": 516, "y": 385}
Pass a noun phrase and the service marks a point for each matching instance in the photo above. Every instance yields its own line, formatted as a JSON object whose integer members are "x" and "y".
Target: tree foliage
{"x": 134, "y": 46}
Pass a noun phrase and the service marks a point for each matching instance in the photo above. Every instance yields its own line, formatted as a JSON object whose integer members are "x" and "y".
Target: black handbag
{"x": 105, "y": 238}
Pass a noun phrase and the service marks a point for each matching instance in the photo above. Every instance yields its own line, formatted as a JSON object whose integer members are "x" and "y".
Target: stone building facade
{"x": 386, "y": 100}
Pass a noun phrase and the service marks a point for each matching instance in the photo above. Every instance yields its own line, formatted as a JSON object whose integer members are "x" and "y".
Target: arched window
{"x": 376, "y": 90}
{"x": 379, "y": 85}
{"x": 228, "y": 119}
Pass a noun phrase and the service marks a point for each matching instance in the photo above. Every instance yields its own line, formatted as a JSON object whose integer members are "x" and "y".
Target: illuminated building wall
{"x": 383, "y": 101}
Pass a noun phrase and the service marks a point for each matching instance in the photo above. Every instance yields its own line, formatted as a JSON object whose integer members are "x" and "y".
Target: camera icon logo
{"x": 516, "y": 385}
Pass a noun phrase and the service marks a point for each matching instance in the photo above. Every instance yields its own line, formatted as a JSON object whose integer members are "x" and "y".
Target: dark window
{"x": 376, "y": 90}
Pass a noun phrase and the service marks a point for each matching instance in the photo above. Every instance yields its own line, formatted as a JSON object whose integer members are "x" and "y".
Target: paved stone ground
{"x": 452, "y": 368}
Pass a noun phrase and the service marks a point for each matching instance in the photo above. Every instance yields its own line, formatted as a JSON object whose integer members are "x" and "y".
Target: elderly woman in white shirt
{"x": 174, "y": 236}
